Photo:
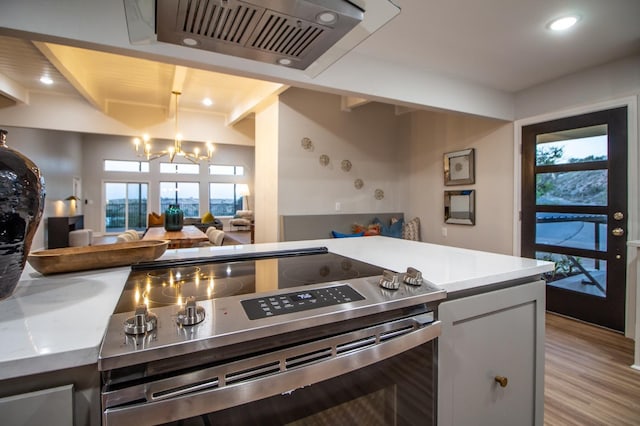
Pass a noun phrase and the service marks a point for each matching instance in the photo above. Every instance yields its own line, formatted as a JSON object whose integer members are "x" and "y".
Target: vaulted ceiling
{"x": 494, "y": 46}
{"x": 137, "y": 92}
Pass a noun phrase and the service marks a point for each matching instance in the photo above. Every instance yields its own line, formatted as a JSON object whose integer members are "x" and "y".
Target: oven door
{"x": 380, "y": 375}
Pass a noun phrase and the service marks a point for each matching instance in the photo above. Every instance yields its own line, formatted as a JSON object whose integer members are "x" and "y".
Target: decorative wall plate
{"x": 345, "y": 165}
{"x": 378, "y": 194}
{"x": 324, "y": 160}
{"x": 307, "y": 144}
{"x": 358, "y": 183}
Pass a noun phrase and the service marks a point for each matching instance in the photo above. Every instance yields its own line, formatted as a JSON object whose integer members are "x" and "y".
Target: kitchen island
{"x": 52, "y": 326}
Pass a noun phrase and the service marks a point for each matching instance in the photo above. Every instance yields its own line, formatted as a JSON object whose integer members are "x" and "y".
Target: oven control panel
{"x": 267, "y": 306}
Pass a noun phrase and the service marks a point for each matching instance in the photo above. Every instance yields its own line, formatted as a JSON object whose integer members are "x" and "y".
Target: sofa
{"x": 203, "y": 226}
{"x": 242, "y": 219}
{"x": 311, "y": 227}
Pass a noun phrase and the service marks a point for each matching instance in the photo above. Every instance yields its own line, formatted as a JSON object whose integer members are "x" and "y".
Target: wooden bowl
{"x": 70, "y": 259}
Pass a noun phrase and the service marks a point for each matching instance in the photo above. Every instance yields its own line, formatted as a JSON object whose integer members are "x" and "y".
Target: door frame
{"x": 103, "y": 199}
{"x": 633, "y": 178}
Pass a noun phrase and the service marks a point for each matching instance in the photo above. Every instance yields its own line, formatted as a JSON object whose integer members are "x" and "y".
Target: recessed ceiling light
{"x": 284, "y": 61}
{"x": 190, "y": 41}
{"x": 46, "y": 80}
{"x": 207, "y": 102}
{"x": 563, "y": 23}
{"x": 326, "y": 18}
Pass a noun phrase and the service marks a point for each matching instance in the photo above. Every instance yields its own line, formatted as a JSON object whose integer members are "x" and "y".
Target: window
{"x": 185, "y": 194}
{"x": 217, "y": 169}
{"x": 185, "y": 169}
{"x": 126, "y": 206}
{"x": 126, "y": 166}
{"x": 224, "y": 199}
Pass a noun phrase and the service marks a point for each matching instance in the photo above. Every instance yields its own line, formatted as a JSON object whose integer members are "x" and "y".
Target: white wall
{"x": 432, "y": 134}
{"x": 267, "y": 191}
{"x": 603, "y": 83}
{"x": 367, "y": 137}
{"x": 403, "y": 155}
{"x": 59, "y": 157}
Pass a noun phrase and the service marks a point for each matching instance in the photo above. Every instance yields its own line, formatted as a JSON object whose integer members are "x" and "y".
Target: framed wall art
{"x": 459, "y": 207}
{"x": 459, "y": 168}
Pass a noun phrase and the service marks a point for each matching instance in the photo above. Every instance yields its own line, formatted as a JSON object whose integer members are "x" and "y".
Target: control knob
{"x": 141, "y": 322}
{"x": 413, "y": 276}
{"x": 389, "y": 280}
{"x": 191, "y": 314}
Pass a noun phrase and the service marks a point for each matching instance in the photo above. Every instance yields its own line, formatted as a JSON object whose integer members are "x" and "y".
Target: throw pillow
{"x": 156, "y": 219}
{"x": 395, "y": 230}
{"x": 372, "y": 230}
{"x": 207, "y": 218}
{"x": 356, "y": 227}
{"x": 411, "y": 230}
{"x": 382, "y": 229}
{"x": 337, "y": 234}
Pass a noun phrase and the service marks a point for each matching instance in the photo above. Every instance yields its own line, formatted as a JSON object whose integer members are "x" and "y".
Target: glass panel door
{"x": 574, "y": 198}
{"x": 184, "y": 194}
{"x": 125, "y": 206}
{"x": 224, "y": 199}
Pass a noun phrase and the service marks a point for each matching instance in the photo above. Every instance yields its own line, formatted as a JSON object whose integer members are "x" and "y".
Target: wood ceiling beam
{"x": 72, "y": 69}
{"x": 399, "y": 110}
{"x": 13, "y": 90}
{"x": 254, "y": 101}
{"x": 347, "y": 103}
{"x": 177, "y": 85}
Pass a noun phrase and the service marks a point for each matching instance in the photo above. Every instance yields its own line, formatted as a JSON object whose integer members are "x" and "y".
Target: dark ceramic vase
{"x": 21, "y": 205}
{"x": 173, "y": 218}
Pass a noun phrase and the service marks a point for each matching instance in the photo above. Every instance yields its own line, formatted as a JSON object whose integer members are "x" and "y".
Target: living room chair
{"x": 216, "y": 236}
{"x": 155, "y": 219}
{"x": 243, "y": 218}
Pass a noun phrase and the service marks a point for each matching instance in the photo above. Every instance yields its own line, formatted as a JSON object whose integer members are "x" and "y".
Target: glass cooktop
{"x": 168, "y": 283}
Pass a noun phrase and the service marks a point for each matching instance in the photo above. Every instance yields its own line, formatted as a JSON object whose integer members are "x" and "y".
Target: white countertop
{"x": 57, "y": 322}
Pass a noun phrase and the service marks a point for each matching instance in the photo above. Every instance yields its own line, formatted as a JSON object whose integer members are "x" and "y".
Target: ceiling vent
{"x": 287, "y": 32}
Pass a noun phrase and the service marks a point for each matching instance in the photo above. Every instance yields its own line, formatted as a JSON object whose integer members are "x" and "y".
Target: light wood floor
{"x": 588, "y": 379}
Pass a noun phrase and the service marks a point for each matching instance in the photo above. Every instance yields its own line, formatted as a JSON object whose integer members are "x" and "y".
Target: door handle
{"x": 617, "y": 232}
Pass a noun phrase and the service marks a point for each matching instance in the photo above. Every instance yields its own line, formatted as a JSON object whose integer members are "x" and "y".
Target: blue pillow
{"x": 337, "y": 234}
{"x": 395, "y": 230}
{"x": 383, "y": 228}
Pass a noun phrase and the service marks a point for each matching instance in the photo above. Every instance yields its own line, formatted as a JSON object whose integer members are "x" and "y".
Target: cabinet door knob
{"x": 502, "y": 381}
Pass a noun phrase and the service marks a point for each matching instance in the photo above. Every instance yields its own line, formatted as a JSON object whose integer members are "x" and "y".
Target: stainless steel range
{"x": 287, "y": 337}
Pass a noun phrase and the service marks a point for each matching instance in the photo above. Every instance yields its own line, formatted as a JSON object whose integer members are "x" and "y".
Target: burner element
{"x": 173, "y": 275}
{"x": 167, "y": 284}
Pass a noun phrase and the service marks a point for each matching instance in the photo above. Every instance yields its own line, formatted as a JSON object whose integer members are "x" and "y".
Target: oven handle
{"x": 205, "y": 397}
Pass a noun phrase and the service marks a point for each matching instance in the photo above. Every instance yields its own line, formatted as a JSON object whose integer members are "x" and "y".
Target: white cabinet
{"x": 487, "y": 337}
{"x": 62, "y": 397}
{"x": 52, "y": 407}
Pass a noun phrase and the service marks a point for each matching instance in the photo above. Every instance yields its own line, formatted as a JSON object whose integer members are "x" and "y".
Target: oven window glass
{"x": 396, "y": 391}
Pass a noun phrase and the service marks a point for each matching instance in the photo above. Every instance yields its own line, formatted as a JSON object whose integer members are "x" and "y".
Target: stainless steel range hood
{"x": 293, "y": 33}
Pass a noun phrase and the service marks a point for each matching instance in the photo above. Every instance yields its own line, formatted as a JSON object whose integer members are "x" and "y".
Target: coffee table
{"x": 189, "y": 236}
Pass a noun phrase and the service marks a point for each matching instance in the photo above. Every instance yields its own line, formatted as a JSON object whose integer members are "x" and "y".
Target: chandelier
{"x": 171, "y": 151}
